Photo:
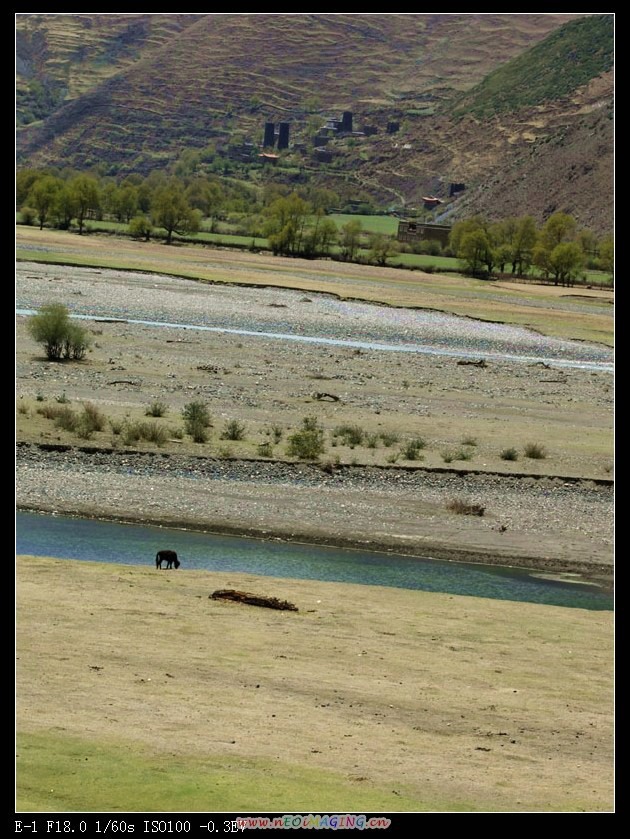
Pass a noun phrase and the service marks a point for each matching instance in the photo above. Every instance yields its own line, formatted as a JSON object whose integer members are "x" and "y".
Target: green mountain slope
{"x": 564, "y": 61}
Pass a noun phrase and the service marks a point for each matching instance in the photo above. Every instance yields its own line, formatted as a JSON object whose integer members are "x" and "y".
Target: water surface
{"x": 87, "y": 539}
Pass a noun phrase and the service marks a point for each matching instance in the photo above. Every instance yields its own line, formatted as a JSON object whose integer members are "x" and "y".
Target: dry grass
{"x": 443, "y": 702}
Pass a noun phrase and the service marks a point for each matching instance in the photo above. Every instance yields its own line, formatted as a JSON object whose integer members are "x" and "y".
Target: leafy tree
{"x": 171, "y": 210}
{"x": 607, "y": 255}
{"x": 475, "y": 251}
{"x": 64, "y": 208}
{"x": 326, "y": 235}
{"x": 140, "y": 227}
{"x": 42, "y": 197}
{"x": 25, "y": 179}
{"x": 320, "y": 237}
{"x": 461, "y": 229}
{"x": 350, "y": 239}
{"x": 587, "y": 241}
{"x": 86, "y": 196}
{"x": 503, "y": 255}
{"x": 124, "y": 202}
{"x": 560, "y": 227}
{"x": 322, "y": 199}
{"x": 566, "y": 261}
{"x": 523, "y": 243}
{"x": 61, "y": 338}
{"x": 205, "y": 196}
{"x": 381, "y": 248}
{"x": 287, "y": 220}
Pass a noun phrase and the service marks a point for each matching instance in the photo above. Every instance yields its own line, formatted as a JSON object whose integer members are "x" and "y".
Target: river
{"x": 100, "y": 541}
{"x": 291, "y": 316}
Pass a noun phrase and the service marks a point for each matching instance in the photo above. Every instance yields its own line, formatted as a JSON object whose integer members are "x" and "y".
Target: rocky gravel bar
{"x": 550, "y": 524}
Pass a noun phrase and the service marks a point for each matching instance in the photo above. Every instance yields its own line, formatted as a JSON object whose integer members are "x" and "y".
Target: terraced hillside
{"x": 61, "y": 57}
{"x": 518, "y": 107}
{"x": 195, "y": 77}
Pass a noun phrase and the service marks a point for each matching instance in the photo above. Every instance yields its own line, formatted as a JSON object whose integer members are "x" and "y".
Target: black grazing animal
{"x": 169, "y": 557}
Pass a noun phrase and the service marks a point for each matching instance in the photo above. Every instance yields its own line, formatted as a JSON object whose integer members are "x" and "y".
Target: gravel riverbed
{"x": 554, "y": 514}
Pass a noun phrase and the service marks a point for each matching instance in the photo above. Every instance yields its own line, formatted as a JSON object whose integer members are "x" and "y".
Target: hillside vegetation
{"x": 516, "y": 106}
{"x": 567, "y": 59}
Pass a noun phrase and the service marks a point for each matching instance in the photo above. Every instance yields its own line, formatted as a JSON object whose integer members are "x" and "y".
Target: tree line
{"x": 559, "y": 250}
{"x": 295, "y": 223}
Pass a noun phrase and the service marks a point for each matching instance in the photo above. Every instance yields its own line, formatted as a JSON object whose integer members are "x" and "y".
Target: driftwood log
{"x": 480, "y": 363}
{"x": 330, "y": 396}
{"x": 253, "y": 599}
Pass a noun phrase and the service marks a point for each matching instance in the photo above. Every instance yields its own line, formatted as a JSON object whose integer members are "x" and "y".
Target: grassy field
{"x": 371, "y": 224}
{"x": 135, "y": 692}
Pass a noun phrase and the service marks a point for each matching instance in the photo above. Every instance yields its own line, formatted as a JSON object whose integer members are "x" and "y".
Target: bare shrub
{"x": 464, "y": 508}
{"x": 535, "y": 451}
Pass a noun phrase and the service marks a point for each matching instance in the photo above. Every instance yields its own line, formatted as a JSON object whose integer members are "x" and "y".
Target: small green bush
{"x": 389, "y": 438}
{"x": 509, "y": 454}
{"x": 469, "y": 441}
{"x": 61, "y": 338}
{"x": 411, "y": 450}
{"x": 265, "y": 450}
{"x": 198, "y": 431}
{"x": 197, "y": 420}
{"x": 152, "y": 432}
{"x": 350, "y": 435}
{"x": 449, "y": 455}
{"x": 197, "y": 412}
{"x": 156, "y": 409}
{"x": 65, "y": 418}
{"x": 49, "y": 411}
{"x": 92, "y": 418}
{"x": 233, "y": 430}
{"x": 131, "y": 433}
{"x": 308, "y": 442}
{"x": 116, "y": 426}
